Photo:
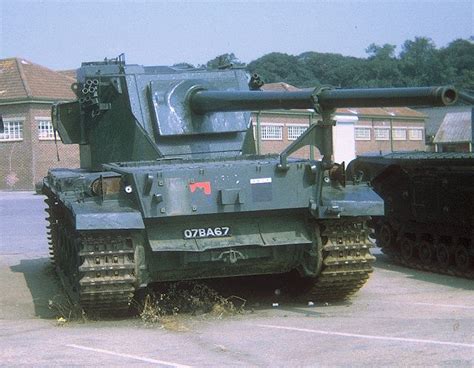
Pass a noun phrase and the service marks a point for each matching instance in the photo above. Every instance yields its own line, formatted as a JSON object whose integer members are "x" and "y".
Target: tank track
{"x": 97, "y": 269}
{"x": 107, "y": 272}
{"x": 52, "y": 209}
{"x": 433, "y": 240}
{"x": 346, "y": 259}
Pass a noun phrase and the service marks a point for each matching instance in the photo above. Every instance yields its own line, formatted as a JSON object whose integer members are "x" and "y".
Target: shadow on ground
{"x": 43, "y": 285}
{"x": 262, "y": 293}
{"x": 384, "y": 262}
{"x": 257, "y": 292}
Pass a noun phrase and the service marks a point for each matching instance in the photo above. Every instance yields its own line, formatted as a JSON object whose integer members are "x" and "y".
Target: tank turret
{"x": 130, "y": 112}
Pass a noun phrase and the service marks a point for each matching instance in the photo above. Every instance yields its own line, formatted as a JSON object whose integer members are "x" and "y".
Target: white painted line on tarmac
{"x": 129, "y": 356}
{"x": 431, "y": 304}
{"x": 370, "y": 337}
{"x": 444, "y": 305}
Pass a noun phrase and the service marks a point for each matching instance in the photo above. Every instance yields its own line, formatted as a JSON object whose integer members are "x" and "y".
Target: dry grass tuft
{"x": 66, "y": 310}
{"x": 190, "y": 298}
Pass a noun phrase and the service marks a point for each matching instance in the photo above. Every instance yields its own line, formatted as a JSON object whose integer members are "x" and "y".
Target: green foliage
{"x": 223, "y": 61}
{"x": 419, "y": 63}
{"x": 278, "y": 67}
{"x": 458, "y": 57}
{"x": 183, "y": 65}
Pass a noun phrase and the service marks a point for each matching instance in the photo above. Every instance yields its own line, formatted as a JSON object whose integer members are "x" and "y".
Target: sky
{"x": 62, "y": 34}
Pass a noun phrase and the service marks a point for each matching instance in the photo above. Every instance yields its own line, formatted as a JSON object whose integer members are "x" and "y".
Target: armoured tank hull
{"x": 188, "y": 220}
{"x": 429, "y": 221}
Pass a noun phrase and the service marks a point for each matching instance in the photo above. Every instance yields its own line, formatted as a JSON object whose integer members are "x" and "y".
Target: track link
{"x": 106, "y": 273}
{"x": 52, "y": 210}
{"x": 347, "y": 262}
{"x": 97, "y": 269}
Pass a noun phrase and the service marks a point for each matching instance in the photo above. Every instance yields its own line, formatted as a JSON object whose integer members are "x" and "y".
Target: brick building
{"x": 27, "y": 146}
{"x": 358, "y": 130}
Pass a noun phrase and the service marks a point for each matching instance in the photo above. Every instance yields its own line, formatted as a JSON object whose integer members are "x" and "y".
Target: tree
{"x": 385, "y": 52}
{"x": 279, "y": 67}
{"x": 223, "y": 61}
{"x": 333, "y": 69}
{"x": 382, "y": 66}
{"x": 183, "y": 65}
{"x": 458, "y": 62}
{"x": 420, "y": 63}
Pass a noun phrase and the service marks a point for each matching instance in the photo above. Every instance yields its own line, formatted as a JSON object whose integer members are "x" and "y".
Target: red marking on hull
{"x": 204, "y": 185}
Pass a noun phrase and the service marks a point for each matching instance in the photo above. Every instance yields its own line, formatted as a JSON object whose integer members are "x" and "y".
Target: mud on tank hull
{"x": 116, "y": 231}
{"x": 428, "y": 222}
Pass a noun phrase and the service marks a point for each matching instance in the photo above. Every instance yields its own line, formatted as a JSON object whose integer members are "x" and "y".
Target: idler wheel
{"x": 462, "y": 258}
{"x": 385, "y": 236}
{"x": 425, "y": 252}
{"x": 444, "y": 255}
{"x": 407, "y": 248}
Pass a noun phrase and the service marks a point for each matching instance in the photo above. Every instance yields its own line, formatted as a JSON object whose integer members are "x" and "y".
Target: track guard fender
{"x": 106, "y": 216}
{"x": 352, "y": 200}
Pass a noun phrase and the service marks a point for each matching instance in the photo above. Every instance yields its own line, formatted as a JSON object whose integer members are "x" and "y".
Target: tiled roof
{"x": 279, "y": 86}
{"x": 383, "y": 113}
{"x": 23, "y": 80}
{"x": 455, "y": 128}
{"x": 71, "y": 73}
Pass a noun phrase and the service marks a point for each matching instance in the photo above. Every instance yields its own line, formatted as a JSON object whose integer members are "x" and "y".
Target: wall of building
{"x": 46, "y": 150}
{"x": 454, "y": 147}
{"x": 16, "y": 156}
{"x": 24, "y": 162}
{"x": 386, "y": 136}
{"x": 289, "y": 125}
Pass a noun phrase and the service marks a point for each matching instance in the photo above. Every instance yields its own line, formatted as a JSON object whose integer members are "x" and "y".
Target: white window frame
{"x": 403, "y": 134}
{"x": 6, "y": 136}
{"x": 266, "y": 127}
{"x": 378, "y": 137}
{"x": 363, "y": 137}
{"x": 293, "y": 136}
{"x": 411, "y": 137}
{"x": 49, "y": 136}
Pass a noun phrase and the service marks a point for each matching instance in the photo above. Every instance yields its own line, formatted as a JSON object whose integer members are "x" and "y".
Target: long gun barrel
{"x": 206, "y": 101}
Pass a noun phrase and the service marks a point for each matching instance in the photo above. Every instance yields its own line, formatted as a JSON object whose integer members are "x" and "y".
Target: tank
{"x": 170, "y": 187}
{"x": 428, "y": 222}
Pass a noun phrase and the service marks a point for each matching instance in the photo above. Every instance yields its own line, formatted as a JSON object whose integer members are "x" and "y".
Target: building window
{"x": 399, "y": 134}
{"x": 362, "y": 134}
{"x": 294, "y": 131}
{"x": 45, "y": 129}
{"x": 271, "y": 132}
{"x": 13, "y": 131}
{"x": 415, "y": 134}
{"x": 382, "y": 134}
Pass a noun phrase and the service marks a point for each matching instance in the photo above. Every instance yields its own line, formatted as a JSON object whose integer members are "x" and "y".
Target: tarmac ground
{"x": 401, "y": 317}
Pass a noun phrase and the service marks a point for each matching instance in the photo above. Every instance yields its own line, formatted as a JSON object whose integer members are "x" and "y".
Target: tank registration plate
{"x": 207, "y": 232}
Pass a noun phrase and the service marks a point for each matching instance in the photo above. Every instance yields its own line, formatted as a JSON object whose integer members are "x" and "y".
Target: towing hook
{"x": 231, "y": 256}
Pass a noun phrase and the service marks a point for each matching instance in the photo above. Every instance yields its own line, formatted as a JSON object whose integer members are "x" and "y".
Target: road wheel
{"x": 462, "y": 258}
{"x": 444, "y": 255}
{"x": 385, "y": 236}
{"x": 407, "y": 248}
{"x": 425, "y": 252}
